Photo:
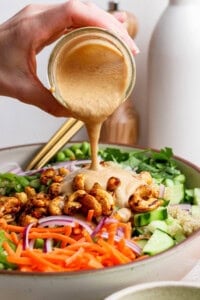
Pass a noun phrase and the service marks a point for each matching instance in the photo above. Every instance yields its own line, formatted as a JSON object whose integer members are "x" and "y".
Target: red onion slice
{"x": 66, "y": 164}
{"x": 99, "y": 226}
{"x": 26, "y": 236}
{"x": 11, "y": 167}
{"x": 161, "y": 190}
{"x": 65, "y": 220}
{"x": 48, "y": 245}
{"x": 53, "y": 223}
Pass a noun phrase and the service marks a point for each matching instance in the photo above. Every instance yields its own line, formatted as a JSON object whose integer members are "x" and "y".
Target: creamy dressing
{"x": 129, "y": 181}
{"x": 92, "y": 78}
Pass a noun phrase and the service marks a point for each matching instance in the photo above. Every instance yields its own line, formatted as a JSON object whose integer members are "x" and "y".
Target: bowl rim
{"x": 150, "y": 285}
{"x": 135, "y": 264}
{"x": 176, "y": 157}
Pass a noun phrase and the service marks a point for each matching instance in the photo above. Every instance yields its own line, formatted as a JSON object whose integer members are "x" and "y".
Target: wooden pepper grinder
{"x": 122, "y": 125}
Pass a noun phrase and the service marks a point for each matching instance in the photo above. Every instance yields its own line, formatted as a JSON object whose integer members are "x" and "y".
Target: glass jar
{"x": 97, "y": 67}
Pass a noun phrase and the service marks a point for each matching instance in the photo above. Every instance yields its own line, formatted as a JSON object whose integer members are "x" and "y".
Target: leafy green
{"x": 160, "y": 164}
{"x": 113, "y": 154}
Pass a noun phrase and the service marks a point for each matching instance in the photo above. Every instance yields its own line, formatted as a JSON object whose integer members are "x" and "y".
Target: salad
{"x": 44, "y": 230}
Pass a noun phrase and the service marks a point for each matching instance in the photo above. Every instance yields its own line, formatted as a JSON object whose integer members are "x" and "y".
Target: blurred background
{"x": 22, "y": 124}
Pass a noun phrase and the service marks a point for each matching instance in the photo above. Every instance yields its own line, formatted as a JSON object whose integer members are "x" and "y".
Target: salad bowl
{"x": 172, "y": 264}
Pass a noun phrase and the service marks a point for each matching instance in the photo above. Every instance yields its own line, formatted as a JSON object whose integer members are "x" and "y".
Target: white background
{"x": 22, "y": 124}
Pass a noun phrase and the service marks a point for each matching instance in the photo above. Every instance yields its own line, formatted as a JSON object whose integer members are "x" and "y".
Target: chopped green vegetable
{"x": 11, "y": 183}
{"x": 197, "y": 196}
{"x": 3, "y": 260}
{"x": 39, "y": 243}
{"x": 142, "y": 219}
{"x": 175, "y": 193}
{"x": 158, "y": 242}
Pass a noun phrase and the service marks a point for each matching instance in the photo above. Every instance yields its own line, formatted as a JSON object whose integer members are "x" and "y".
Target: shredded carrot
{"x": 90, "y": 215}
{"x": 68, "y": 230}
{"x": 20, "y": 229}
{"x": 42, "y": 263}
{"x": 14, "y": 228}
{"x": 126, "y": 250}
{"x": 93, "y": 262}
{"x": 115, "y": 253}
{"x": 19, "y": 248}
{"x": 47, "y": 235}
{"x": 89, "y": 246}
{"x": 112, "y": 232}
{"x": 7, "y": 247}
{"x": 73, "y": 248}
{"x": 74, "y": 257}
{"x": 87, "y": 237}
{"x": 19, "y": 260}
{"x": 127, "y": 230}
{"x": 14, "y": 238}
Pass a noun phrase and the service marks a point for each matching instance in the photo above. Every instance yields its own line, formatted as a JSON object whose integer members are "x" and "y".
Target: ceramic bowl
{"x": 163, "y": 290}
{"x": 173, "y": 264}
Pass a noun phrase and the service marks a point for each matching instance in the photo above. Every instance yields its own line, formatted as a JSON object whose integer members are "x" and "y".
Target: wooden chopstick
{"x": 58, "y": 140}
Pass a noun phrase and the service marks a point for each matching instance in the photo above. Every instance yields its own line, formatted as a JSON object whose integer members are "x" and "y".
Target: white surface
{"x": 21, "y": 124}
{"x": 194, "y": 274}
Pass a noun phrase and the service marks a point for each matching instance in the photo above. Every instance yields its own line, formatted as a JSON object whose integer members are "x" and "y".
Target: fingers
{"x": 38, "y": 25}
{"x": 53, "y": 21}
{"x": 45, "y": 23}
{"x": 120, "y": 16}
{"x": 88, "y": 14}
{"x": 34, "y": 93}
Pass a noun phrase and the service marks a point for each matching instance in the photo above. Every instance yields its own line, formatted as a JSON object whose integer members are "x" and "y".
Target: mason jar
{"x": 91, "y": 68}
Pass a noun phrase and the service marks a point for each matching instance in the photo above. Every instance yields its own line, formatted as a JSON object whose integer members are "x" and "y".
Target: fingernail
{"x": 135, "y": 49}
{"x": 120, "y": 15}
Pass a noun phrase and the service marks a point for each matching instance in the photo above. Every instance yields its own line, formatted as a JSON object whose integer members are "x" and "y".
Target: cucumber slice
{"x": 189, "y": 195}
{"x": 138, "y": 231}
{"x": 157, "y": 224}
{"x": 197, "y": 196}
{"x": 174, "y": 194}
{"x": 179, "y": 237}
{"x": 180, "y": 178}
{"x": 158, "y": 242}
{"x": 195, "y": 211}
{"x": 141, "y": 243}
{"x": 143, "y": 219}
{"x": 174, "y": 229}
{"x": 169, "y": 182}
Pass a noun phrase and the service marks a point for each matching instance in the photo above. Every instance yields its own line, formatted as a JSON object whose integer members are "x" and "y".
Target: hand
{"x": 24, "y": 35}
